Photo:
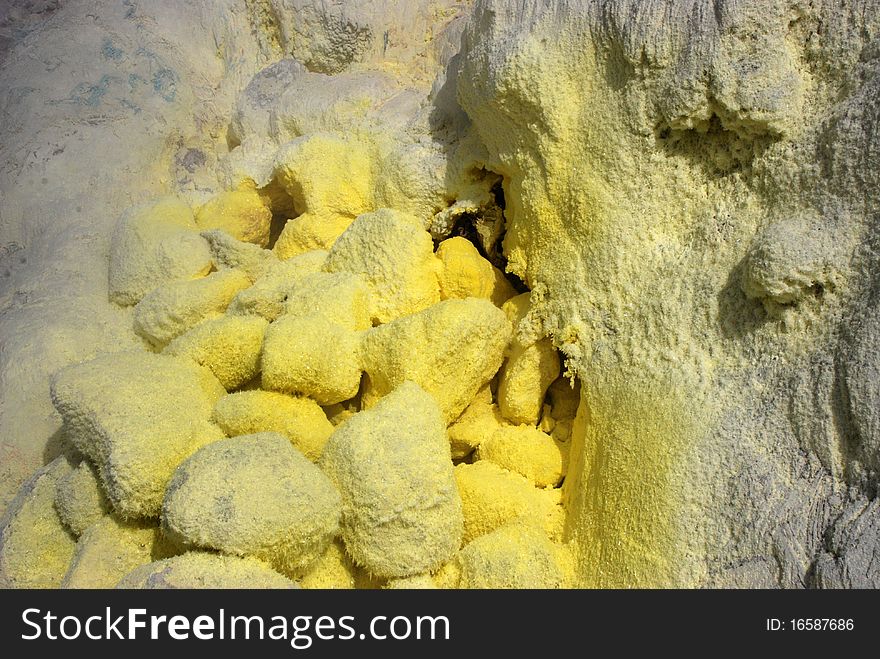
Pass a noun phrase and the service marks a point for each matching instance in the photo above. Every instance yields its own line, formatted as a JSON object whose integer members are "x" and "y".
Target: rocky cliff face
{"x": 690, "y": 190}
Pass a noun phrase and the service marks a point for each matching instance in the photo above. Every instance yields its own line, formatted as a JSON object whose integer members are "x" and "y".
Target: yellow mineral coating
{"x": 416, "y": 582}
{"x": 229, "y": 346}
{"x": 35, "y": 547}
{"x": 240, "y": 213}
{"x": 154, "y": 244}
{"x": 79, "y": 499}
{"x": 401, "y": 510}
{"x": 450, "y": 349}
{"x": 516, "y": 555}
{"x": 301, "y": 420}
{"x": 529, "y": 452}
{"x": 341, "y": 297}
{"x": 337, "y": 413}
{"x": 312, "y": 356}
{"x": 333, "y": 570}
{"x": 448, "y": 576}
{"x": 477, "y": 423}
{"x": 308, "y": 232}
{"x": 228, "y": 252}
{"x": 531, "y": 366}
{"x": 137, "y": 416}
{"x": 395, "y": 256}
{"x": 171, "y": 310}
{"x": 203, "y": 570}
{"x": 492, "y": 496}
{"x": 268, "y": 294}
{"x": 108, "y": 550}
{"x": 622, "y": 492}
{"x": 564, "y": 397}
{"x": 467, "y": 274}
{"x": 326, "y": 175}
{"x": 253, "y": 495}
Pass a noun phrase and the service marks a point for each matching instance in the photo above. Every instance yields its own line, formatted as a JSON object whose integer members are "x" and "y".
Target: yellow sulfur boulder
{"x": 202, "y": 570}
{"x": 240, "y": 213}
{"x": 154, "y": 244}
{"x": 467, "y": 274}
{"x": 108, "y": 550}
{"x": 477, "y": 423}
{"x": 395, "y": 255}
{"x": 301, "y": 420}
{"x": 492, "y": 496}
{"x": 532, "y": 365}
{"x": 450, "y": 350}
{"x": 514, "y": 556}
{"x": 312, "y": 356}
{"x": 268, "y": 294}
{"x": 310, "y": 231}
{"x": 79, "y": 499}
{"x": 529, "y": 452}
{"x": 35, "y": 547}
{"x": 137, "y": 416}
{"x": 401, "y": 510}
{"x": 253, "y": 495}
{"x": 229, "y": 346}
{"x": 341, "y": 297}
{"x": 171, "y": 310}
{"x": 326, "y": 176}
{"x": 230, "y": 253}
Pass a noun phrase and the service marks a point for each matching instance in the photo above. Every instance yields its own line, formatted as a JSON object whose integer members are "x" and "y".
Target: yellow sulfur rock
{"x": 108, "y": 550}
{"x": 527, "y": 451}
{"x": 333, "y": 569}
{"x": 395, "y": 255}
{"x": 229, "y": 346}
{"x": 240, "y": 213}
{"x": 448, "y": 576}
{"x": 401, "y": 510}
{"x": 171, "y": 310}
{"x": 268, "y": 294}
{"x": 230, "y": 253}
{"x": 301, "y": 420}
{"x": 326, "y": 175}
{"x": 203, "y": 570}
{"x": 492, "y": 496}
{"x": 79, "y": 499}
{"x": 310, "y": 231}
{"x": 136, "y": 416}
{"x": 253, "y": 495}
{"x": 532, "y": 365}
{"x": 477, "y": 423}
{"x": 450, "y": 350}
{"x": 35, "y": 547}
{"x": 154, "y": 244}
{"x": 467, "y": 274}
{"x": 341, "y": 297}
{"x": 312, "y": 356}
{"x": 514, "y": 556}
{"x": 417, "y": 582}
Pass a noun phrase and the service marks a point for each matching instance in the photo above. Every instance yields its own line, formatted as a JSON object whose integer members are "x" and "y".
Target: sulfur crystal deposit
{"x": 457, "y": 294}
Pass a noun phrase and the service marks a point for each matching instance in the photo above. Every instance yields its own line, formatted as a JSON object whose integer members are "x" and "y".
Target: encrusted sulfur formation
{"x": 240, "y": 213}
{"x": 79, "y": 499}
{"x": 395, "y": 256}
{"x": 203, "y": 570}
{"x": 401, "y": 508}
{"x": 527, "y": 451}
{"x": 312, "y": 356}
{"x": 341, "y": 297}
{"x": 450, "y": 350}
{"x": 467, "y": 274}
{"x": 35, "y": 547}
{"x": 299, "y": 419}
{"x": 108, "y": 550}
{"x": 253, "y": 495}
{"x": 169, "y": 311}
{"x": 137, "y": 416}
{"x": 153, "y": 245}
{"x": 477, "y": 423}
{"x": 229, "y": 346}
